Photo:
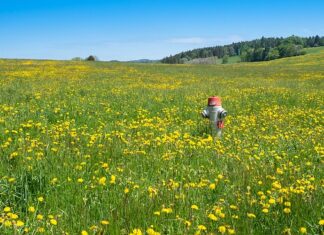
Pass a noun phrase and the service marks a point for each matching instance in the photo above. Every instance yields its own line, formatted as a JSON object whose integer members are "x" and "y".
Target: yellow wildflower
{"x": 20, "y": 223}
{"x": 84, "y": 232}
{"x": 7, "y": 223}
{"x": 251, "y": 215}
{"x": 102, "y": 180}
{"x": 212, "y": 186}
{"x": 31, "y": 209}
{"x": 187, "y": 223}
{"x": 287, "y": 204}
{"x": 53, "y": 221}
{"x": 12, "y": 215}
{"x": 287, "y": 210}
{"x": 40, "y": 199}
{"x": 233, "y": 207}
{"x": 321, "y": 222}
{"x": 272, "y": 201}
{"x": 222, "y": 229}
{"x": 202, "y": 228}
{"x": 150, "y": 231}
{"x": 112, "y": 179}
{"x": 303, "y": 230}
{"x": 166, "y": 210}
{"x": 265, "y": 210}
{"x": 80, "y": 180}
{"x": 194, "y": 207}
{"x": 212, "y": 217}
{"x": 136, "y": 231}
{"x": 104, "y": 222}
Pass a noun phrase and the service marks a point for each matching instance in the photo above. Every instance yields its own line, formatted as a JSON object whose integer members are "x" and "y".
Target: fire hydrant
{"x": 216, "y": 114}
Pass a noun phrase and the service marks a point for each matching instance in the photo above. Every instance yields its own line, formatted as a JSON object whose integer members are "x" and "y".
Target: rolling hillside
{"x": 263, "y": 49}
{"x": 237, "y": 59}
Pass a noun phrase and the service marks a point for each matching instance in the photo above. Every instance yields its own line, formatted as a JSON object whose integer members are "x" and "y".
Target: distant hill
{"x": 249, "y": 51}
{"x": 143, "y": 61}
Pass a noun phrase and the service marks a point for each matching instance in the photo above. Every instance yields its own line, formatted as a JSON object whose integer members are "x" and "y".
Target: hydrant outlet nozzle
{"x": 222, "y": 114}
{"x": 204, "y": 113}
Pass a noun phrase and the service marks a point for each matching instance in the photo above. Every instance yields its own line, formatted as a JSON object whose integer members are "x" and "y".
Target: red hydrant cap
{"x": 214, "y": 101}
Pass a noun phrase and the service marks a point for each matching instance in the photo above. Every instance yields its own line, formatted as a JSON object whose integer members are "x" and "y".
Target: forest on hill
{"x": 262, "y": 49}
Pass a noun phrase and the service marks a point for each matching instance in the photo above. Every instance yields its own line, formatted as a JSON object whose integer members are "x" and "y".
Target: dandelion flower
{"x": 102, "y": 180}
{"x": 7, "y": 223}
{"x": 212, "y": 186}
{"x": 31, "y": 209}
{"x": 112, "y": 179}
{"x": 272, "y": 201}
{"x": 287, "y": 204}
{"x": 150, "y": 231}
{"x": 104, "y": 222}
{"x": 166, "y": 210}
{"x": 40, "y": 199}
{"x": 265, "y": 210}
{"x": 303, "y": 230}
{"x": 212, "y": 217}
{"x": 136, "y": 231}
{"x": 286, "y": 210}
{"x": 12, "y": 215}
{"x": 80, "y": 180}
{"x": 187, "y": 223}
{"x": 83, "y": 232}
{"x": 194, "y": 207}
{"x": 53, "y": 221}
{"x": 202, "y": 228}
{"x": 251, "y": 215}
{"x": 222, "y": 229}
{"x": 20, "y": 223}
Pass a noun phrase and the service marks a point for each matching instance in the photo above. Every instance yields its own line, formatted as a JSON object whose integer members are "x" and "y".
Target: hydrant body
{"x": 216, "y": 114}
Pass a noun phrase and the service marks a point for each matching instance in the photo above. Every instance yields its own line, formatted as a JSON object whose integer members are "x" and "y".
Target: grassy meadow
{"x": 215, "y": 60}
{"x": 113, "y": 148}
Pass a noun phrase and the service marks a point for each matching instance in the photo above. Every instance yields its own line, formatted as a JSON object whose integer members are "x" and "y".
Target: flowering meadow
{"x": 118, "y": 148}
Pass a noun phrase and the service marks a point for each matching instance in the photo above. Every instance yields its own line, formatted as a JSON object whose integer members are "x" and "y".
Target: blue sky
{"x": 135, "y": 29}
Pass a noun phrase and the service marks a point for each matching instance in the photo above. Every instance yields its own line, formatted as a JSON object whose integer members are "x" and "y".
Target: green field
{"x": 113, "y": 148}
{"x": 214, "y": 60}
{"x": 312, "y": 50}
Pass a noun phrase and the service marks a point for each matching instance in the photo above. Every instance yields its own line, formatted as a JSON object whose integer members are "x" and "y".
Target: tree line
{"x": 89, "y": 58}
{"x": 256, "y": 50}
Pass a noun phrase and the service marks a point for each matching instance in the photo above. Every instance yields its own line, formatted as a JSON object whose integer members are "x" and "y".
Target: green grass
{"x": 234, "y": 59}
{"x": 312, "y": 50}
{"x": 125, "y": 143}
{"x": 215, "y": 60}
